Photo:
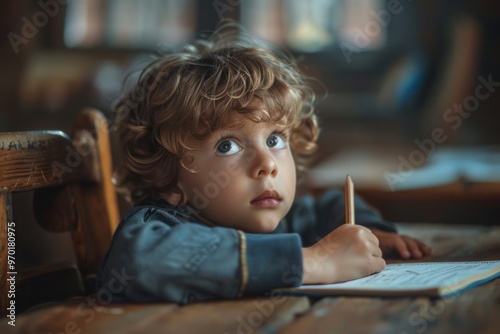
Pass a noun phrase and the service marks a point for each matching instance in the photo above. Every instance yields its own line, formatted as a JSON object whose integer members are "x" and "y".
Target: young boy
{"x": 213, "y": 138}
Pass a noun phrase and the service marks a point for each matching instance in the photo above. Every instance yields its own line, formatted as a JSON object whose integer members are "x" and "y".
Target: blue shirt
{"x": 163, "y": 253}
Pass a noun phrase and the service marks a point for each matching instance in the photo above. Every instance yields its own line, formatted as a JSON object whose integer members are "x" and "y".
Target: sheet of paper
{"x": 415, "y": 276}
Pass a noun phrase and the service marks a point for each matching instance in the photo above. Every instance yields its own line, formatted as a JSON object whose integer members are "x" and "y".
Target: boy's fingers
{"x": 426, "y": 250}
{"x": 402, "y": 248}
{"x": 379, "y": 264}
{"x": 372, "y": 237}
{"x": 377, "y": 252}
{"x": 413, "y": 247}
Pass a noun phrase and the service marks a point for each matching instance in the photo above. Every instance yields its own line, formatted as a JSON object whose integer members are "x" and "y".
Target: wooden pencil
{"x": 349, "y": 201}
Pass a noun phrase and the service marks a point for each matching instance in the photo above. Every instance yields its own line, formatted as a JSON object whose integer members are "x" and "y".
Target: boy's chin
{"x": 249, "y": 224}
{"x": 266, "y": 227}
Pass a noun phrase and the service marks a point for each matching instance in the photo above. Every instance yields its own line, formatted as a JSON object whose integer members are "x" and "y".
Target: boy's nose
{"x": 263, "y": 164}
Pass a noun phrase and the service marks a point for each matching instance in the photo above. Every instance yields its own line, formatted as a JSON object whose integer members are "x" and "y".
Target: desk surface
{"x": 474, "y": 311}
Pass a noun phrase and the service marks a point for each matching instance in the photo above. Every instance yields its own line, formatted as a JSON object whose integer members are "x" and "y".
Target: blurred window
{"x": 310, "y": 26}
{"x": 129, "y": 23}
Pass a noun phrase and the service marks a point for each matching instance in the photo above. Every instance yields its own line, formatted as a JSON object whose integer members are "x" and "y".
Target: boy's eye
{"x": 276, "y": 141}
{"x": 228, "y": 147}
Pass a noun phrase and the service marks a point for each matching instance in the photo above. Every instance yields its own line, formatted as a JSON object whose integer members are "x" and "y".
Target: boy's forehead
{"x": 237, "y": 120}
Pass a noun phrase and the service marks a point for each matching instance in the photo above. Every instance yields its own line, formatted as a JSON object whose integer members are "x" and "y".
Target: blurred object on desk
{"x": 389, "y": 170}
{"x": 332, "y": 171}
{"x": 465, "y": 167}
{"x": 452, "y": 184}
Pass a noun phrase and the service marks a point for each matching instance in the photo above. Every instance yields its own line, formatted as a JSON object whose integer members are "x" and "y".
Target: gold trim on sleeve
{"x": 243, "y": 263}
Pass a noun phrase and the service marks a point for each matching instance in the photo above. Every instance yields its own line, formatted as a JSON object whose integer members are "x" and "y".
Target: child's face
{"x": 243, "y": 178}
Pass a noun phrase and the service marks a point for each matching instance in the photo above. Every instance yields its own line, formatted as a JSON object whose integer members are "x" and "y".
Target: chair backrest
{"x": 72, "y": 180}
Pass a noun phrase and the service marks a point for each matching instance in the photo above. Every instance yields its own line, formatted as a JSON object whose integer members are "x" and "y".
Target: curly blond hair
{"x": 189, "y": 94}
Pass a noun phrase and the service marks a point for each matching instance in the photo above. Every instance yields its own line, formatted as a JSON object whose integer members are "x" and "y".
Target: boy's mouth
{"x": 268, "y": 199}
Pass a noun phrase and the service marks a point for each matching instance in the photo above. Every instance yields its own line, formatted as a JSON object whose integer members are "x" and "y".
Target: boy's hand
{"x": 348, "y": 252}
{"x": 393, "y": 244}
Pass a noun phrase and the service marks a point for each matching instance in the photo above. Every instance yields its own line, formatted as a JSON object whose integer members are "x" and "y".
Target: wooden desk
{"x": 474, "y": 311}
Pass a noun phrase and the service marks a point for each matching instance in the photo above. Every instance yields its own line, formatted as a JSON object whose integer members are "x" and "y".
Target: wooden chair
{"x": 71, "y": 177}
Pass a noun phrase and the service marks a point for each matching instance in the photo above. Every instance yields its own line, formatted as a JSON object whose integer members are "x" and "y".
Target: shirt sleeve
{"x": 315, "y": 218}
{"x": 157, "y": 256}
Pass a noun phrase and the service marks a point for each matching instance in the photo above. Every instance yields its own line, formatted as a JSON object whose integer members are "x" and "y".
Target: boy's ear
{"x": 175, "y": 196}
